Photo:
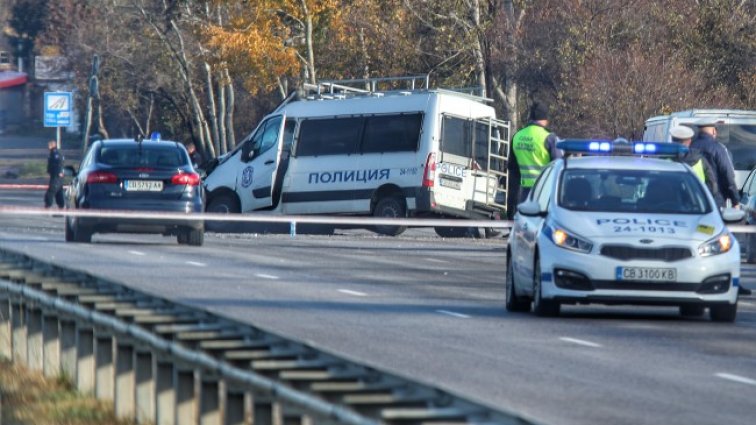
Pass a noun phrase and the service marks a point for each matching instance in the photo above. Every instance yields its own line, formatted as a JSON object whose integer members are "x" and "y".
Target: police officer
{"x": 194, "y": 155}
{"x": 701, "y": 167}
{"x": 534, "y": 146}
{"x": 719, "y": 158}
{"x": 55, "y": 170}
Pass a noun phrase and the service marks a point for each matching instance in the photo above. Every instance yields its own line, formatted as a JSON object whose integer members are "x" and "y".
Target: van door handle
{"x": 268, "y": 162}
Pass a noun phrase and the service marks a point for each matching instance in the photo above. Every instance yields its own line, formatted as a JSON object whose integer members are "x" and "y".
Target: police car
{"x": 621, "y": 224}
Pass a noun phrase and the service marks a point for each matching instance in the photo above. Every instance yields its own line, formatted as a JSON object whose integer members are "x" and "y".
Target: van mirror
{"x": 248, "y": 151}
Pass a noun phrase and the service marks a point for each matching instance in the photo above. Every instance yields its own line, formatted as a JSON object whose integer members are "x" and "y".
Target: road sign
{"x": 58, "y": 109}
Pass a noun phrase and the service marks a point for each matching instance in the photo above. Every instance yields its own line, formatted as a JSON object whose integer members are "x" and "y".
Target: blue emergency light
{"x": 155, "y": 136}
{"x": 621, "y": 147}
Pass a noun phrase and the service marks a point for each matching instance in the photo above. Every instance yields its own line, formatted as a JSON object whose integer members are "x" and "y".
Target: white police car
{"x": 621, "y": 227}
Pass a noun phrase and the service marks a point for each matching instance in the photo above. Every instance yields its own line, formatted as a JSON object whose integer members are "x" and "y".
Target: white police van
{"x": 736, "y": 129}
{"x": 622, "y": 228}
{"x": 339, "y": 149}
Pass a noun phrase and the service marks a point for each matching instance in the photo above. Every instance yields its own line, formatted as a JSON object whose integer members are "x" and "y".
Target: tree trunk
{"x": 212, "y": 108}
{"x": 309, "y": 43}
{"x": 231, "y": 104}
{"x": 480, "y": 64}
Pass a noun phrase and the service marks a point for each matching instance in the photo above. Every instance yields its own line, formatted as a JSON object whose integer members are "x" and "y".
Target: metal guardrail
{"x": 165, "y": 363}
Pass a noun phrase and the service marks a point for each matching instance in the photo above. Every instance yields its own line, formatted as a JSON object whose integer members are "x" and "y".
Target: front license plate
{"x": 647, "y": 274}
{"x": 450, "y": 183}
{"x": 143, "y": 185}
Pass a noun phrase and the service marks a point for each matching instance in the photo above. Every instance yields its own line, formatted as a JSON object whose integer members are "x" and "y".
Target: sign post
{"x": 58, "y": 109}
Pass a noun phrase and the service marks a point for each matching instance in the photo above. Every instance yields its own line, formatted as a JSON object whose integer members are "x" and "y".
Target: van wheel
{"x": 222, "y": 204}
{"x": 392, "y": 208}
{"x": 452, "y": 232}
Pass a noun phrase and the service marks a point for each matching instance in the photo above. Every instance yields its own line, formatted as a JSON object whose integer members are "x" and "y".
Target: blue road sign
{"x": 58, "y": 109}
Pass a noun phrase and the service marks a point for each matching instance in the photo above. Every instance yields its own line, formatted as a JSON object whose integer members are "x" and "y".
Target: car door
{"x": 525, "y": 231}
{"x": 260, "y": 159}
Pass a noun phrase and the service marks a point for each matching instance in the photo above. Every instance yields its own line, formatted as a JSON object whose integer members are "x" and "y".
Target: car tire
{"x": 692, "y": 310}
{"x": 513, "y": 302}
{"x": 195, "y": 237}
{"x": 391, "y": 207}
{"x": 723, "y": 313}
{"x": 181, "y": 238}
{"x": 81, "y": 234}
{"x": 542, "y": 307}
{"x": 222, "y": 204}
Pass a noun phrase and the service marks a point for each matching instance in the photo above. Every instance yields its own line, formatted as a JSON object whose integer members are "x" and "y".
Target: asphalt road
{"x": 432, "y": 309}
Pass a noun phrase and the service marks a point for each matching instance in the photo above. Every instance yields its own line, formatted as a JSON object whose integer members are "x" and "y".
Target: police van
{"x": 736, "y": 129}
{"x": 349, "y": 147}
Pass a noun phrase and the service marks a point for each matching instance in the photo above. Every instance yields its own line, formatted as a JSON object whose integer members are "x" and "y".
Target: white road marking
{"x": 453, "y": 314}
{"x": 436, "y": 260}
{"x": 355, "y": 293}
{"x": 580, "y": 342}
{"x": 736, "y": 378}
{"x": 195, "y": 263}
{"x": 140, "y": 253}
{"x": 266, "y": 276}
{"x": 747, "y": 304}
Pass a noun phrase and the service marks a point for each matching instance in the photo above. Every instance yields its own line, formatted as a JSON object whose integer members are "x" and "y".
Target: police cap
{"x": 681, "y": 132}
{"x": 707, "y": 123}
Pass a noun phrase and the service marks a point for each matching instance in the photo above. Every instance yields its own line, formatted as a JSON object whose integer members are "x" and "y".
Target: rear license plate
{"x": 651, "y": 274}
{"x": 450, "y": 183}
{"x": 143, "y": 185}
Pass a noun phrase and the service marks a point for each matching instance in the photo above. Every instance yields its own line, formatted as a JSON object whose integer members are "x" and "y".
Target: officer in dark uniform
{"x": 195, "y": 155}
{"x": 701, "y": 167}
{"x": 55, "y": 170}
{"x": 719, "y": 158}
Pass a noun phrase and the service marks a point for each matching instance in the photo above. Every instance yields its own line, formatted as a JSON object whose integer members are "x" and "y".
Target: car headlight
{"x": 718, "y": 245}
{"x": 567, "y": 240}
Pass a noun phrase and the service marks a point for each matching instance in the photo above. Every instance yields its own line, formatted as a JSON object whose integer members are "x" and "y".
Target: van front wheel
{"x": 390, "y": 208}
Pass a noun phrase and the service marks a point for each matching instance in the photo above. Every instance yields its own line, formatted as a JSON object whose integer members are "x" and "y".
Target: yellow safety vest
{"x": 529, "y": 147}
{"x": 698, "y": 170}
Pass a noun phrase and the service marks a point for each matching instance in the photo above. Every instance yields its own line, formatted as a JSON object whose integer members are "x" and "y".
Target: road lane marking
{"x": 580, "y": 342}
{"x": 436, "y": 260}
{"x": 736, "y": 378}
{"x": 266, "y": 276}
{"x": 747, "y": 304}
{"x": 195, "y": 263}
{"x": 140, "y": 253}
{"x": 453, "y": 314}
{"x": 355, "y": 293}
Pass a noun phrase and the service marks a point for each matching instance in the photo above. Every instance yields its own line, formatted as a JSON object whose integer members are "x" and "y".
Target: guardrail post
{"x": 18, "y": 325}
{"x": 51, "y": 348}
{"x": 6, "y": 338}
{"x": 125, "y": 381}
{"x": 34, "y": 341}
{"x": 85, "y": 361}
{"x": 105, "y": 375}
{"x": 210, "y": 401}
{"x": 186, "y": 397}
{"x": 165, "y": 393}
{"x": 145, "y": 387}
{"x": 68, "y": 349}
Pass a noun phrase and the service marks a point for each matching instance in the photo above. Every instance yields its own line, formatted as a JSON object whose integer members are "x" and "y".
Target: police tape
{"x": 253, "y": 218}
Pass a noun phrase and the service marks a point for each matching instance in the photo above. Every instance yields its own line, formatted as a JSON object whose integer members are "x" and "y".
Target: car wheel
{"x": 222, "y": 204}
{"x": 195, "y": 237}
{"x": 393, "y": 208}
{"x": 181, "y": 238}
{"x": 750, "y": 248}
{"x": 723, "y": 313}
{"x": 692, "y": 310}
{"x": 69, "y": 231}
{"x": 513, "y": 302}
{"x": 542, "y": 307}
{"x": 81, "y": 234}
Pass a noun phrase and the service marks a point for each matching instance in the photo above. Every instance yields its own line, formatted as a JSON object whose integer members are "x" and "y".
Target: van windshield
{"x": 740, "y": 140}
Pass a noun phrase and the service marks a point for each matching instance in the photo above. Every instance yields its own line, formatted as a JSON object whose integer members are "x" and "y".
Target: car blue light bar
{"x": 155, "y": 136}
{"x": 621, "y": 147}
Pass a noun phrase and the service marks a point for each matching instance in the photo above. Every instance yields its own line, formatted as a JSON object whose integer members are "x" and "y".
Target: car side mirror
{"x": 530, "y": 209}
{"x": 732, "y": 215}
{"x": 69, "y": 171}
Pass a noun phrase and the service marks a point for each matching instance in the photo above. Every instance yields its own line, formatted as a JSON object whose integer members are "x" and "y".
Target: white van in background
{"x": 344, "y": 149}
{"x": 736, "y": 129}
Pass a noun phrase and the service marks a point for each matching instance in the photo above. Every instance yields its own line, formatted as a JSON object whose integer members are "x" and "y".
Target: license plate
{"x": 143, "y": 185}
{"x": 647, "y": 274}
{"x": 450, "y": 183}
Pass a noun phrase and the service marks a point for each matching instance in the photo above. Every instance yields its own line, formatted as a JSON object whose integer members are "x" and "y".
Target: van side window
{"x": 333, "y": 136}
{"x": 455, "y": 137}
{"x": 392, "y": 133}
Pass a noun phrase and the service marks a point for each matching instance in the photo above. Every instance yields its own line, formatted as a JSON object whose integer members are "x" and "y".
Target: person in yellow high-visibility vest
{"x": 532, "y": 148}
{"x": 695, "y": 159}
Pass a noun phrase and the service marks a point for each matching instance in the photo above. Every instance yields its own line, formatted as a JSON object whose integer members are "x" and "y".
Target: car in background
{"x": 622, "y": 228}
{"x": 748, "y": 204}
{"x": 135, "y": 175}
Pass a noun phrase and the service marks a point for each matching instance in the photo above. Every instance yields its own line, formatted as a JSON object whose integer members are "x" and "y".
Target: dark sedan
{"x": 124, "y": 174}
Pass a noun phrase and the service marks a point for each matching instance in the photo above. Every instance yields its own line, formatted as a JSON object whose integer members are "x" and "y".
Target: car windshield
{"x": 142, "y": 156}
{"x": 632, "y": 191}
